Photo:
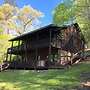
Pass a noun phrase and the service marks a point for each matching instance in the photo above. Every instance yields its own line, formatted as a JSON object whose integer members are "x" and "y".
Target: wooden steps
{"x": 4, "y": 66}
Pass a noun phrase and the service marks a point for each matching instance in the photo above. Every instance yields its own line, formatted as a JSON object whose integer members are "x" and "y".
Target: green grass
{"x": 43, "y": 80}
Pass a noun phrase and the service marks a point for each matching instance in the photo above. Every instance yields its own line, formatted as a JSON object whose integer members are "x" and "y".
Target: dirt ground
{"x": 85, "y": 81}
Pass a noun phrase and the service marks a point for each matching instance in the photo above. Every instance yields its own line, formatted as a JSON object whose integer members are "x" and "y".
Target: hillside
{"x": 44, "y": 80}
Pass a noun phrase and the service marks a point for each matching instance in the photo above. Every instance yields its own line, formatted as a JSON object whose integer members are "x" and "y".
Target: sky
{"x": 45, "y": 6}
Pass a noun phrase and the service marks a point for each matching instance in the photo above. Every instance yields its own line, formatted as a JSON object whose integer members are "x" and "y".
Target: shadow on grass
{"x": 43, "y": 80}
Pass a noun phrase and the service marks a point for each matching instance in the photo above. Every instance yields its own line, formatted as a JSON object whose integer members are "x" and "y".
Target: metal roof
{"x": 40, "y": 29}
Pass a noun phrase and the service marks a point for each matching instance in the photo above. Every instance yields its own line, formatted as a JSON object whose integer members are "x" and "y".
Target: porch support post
{"x": 18, "y": 48}
{"x": 83, "y": 50}
{"x": 50, "y": 35}
{"x": 36, "y": 53}
{"x": 11, "y": 51}
{"x": 18, "y": 44}
{"x": 6, "y": 56}
{"x": 17, "y": 54}
{"x": 26, "y": 50}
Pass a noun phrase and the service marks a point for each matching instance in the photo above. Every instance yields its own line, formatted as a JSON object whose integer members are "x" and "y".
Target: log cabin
{"x": 46, "y": 47}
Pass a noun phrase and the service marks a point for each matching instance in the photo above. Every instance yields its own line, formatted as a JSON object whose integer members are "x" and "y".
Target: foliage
{"x": 7, "y": 12}
{"x": 64, "y": 79}
{"x": 26, "y": 16}
{"x": 11, "y": 18}
{"x": 63, "y": 13}
{"x": 18, "y": 19}
{"x": 4, "y": 45}
{"x": 11, "y": 2}
{"x": 1, "y": 29}
{"x": 83, "y": 16}
{"x": 74, "y": 11}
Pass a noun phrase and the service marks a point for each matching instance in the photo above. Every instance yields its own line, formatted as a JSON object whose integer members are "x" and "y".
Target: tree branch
{"x": 27, "y": 23}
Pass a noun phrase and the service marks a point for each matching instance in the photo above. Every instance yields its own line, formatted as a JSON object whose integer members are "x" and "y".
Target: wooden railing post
{"x": 7, "y": 56}
{"x": 11, "y": 51}
{"x": 50, "y": 35}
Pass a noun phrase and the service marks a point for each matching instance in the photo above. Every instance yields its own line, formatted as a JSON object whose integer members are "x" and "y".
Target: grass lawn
{"x": 43, "y": 80}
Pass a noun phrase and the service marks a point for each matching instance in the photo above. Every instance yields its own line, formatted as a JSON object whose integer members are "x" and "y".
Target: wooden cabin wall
{"x": 56, "y": 39}
{"x": 42, "y": 54}
{"x": 36, "y": 47}
{"x": 66, "y": 35}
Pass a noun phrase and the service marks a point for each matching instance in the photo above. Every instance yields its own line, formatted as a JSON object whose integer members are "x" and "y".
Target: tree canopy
{"x": 26, "y": 17}
{"x": 18, "y": 19}
{"x": 7, "y": 13}
{"x": 72, "y": 11}
{"x": 4, "y": 45}
{"x": 15, "y": 19}
{"x": 11, "y": 2}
